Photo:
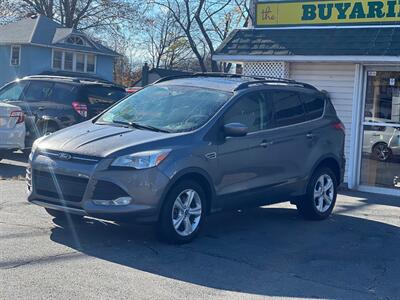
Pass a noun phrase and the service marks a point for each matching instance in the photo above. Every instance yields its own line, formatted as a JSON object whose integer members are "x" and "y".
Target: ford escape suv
{"x": 185, "y": 147}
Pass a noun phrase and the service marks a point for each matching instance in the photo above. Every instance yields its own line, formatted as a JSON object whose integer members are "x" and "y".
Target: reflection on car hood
{"x": 98, "y": 140}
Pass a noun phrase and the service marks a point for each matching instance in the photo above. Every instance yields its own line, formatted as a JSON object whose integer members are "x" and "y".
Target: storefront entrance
{"x": 380, "y": 158}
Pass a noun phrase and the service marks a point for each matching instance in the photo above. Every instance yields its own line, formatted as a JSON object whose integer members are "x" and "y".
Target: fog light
{"x": 122, "y": 201}
{"x": 117, "y": 202}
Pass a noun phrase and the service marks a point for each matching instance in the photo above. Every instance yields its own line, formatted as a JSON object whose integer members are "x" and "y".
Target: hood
{"x": 99, "y": 140}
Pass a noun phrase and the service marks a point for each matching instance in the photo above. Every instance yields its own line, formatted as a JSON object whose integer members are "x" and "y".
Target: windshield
{"x": 169, "y": 108}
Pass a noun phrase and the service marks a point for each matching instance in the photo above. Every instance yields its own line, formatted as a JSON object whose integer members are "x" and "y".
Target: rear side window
{"x": 103, "y": 94}
{"x": 64, "y": 93}
{"x": 13, "y": 91}
{"x": 314, "y": 105}
{"x": 288, "y": 109}
{"x": 38, "y": 91}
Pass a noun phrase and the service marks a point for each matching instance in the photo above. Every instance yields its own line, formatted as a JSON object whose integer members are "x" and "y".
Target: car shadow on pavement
{"x": 262, "y": 251}
{"x": 13, "y": 166}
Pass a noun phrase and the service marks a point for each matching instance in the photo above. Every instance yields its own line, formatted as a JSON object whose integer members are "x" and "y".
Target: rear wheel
{"x": 58, "y": 214}
{"x": 381, "y": 152}
{"x": 183, "y": 213}
{"x": 321, "y": 195}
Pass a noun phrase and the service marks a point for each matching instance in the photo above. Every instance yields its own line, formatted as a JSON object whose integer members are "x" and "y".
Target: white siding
{"x": 338, "y": 80}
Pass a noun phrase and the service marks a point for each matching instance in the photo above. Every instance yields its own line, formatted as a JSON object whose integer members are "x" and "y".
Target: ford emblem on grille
{"x": 64, "y": 156}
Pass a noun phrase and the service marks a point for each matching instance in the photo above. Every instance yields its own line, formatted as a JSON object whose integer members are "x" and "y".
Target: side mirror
{"x": 235, "y": 129}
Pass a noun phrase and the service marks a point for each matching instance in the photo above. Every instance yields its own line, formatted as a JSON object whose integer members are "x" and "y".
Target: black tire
{"x": 307, "y": 206}
{"x": 60, "y": 215}
{"x": 165, "y": 226}
{"x": 381, "y": 152}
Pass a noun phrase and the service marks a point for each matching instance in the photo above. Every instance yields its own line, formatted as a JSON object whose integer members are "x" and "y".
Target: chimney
{"x": 145, "y": 75}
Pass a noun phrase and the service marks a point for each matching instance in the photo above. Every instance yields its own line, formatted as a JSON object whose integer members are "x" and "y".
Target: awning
{"x": 374, "y": 44}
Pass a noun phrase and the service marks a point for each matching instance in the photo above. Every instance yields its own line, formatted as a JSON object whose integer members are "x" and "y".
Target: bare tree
{"x": 205, "y": 23}
{"x": 166, "y": 43}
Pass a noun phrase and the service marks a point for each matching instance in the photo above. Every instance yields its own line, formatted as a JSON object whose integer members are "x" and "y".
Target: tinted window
{"x": 38, "y": 91}
{"x": 103, "y": 94}
{"x": 13, "y": 91}
{"x": 314, "y": 105}
{"x": 288, "y": 108}
{"x": 251, "y": 111}
{"x": 64, "y": 93}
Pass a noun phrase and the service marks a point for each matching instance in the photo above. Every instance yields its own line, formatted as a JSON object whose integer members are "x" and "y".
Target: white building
{"x": 350, "y": 50}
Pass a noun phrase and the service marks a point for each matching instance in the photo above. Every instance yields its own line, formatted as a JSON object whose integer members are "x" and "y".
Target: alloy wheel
{"x": 382, "y": 152}
{"x": 186, "y": 212}
{"x": 324, "y": 193}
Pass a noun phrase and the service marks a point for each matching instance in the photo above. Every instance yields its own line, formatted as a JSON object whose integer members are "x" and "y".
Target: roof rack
{"x": 256, "y": 79}
{"x": 73, "y": 79}
{"x": 263, "y": 80}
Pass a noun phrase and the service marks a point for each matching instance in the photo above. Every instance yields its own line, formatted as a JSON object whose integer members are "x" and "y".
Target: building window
{"x": 75, "y": 40}
{"x": 80, "y": 62}
{"x": 74, "y": 61}
{"x": 15, "y": 57}
{"x": 90, "y": 63}
{"x": 68, "y": 61}
{"x": 57, "y": 59}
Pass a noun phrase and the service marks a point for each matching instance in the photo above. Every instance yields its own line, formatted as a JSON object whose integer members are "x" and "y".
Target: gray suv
{"x": 185, "y": 147}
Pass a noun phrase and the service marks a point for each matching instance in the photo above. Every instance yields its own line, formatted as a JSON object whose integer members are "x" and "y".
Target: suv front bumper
{"x": 74, "y": 186}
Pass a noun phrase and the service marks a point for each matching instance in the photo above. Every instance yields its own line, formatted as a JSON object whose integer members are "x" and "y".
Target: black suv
{"x": 51, "y": 103}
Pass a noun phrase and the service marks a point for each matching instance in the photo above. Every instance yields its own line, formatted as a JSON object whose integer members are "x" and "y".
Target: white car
{"x": 382, "y": 142}
{"x": 12, "y": 128}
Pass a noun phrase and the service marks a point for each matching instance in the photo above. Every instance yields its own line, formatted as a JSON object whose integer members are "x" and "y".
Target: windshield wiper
{"x": 140, "y": 126}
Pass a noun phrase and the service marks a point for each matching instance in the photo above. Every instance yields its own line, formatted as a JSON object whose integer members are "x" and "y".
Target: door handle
{"x": 310, "y": 135}
{"x": 265, "y": 144}
{"x": 41, "y": 108}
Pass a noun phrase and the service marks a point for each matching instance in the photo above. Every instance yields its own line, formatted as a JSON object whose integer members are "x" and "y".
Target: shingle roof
{"x": 41, "y": 30}
{"x": 312, "y": 42}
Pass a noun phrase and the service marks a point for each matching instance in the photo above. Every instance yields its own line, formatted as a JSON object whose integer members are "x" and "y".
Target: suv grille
{"x": 73, "y": 157}
{"x": 71, "y": 188}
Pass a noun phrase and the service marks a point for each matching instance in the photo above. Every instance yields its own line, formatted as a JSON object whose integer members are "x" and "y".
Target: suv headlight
{"x": 141, "y": 160}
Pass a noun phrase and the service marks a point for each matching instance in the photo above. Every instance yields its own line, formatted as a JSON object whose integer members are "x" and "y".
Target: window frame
{"x": 74, "y": 60}
{"x": 11, "y": 55}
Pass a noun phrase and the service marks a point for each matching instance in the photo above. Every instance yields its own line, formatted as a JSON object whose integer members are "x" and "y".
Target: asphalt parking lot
{"x": 256, "y": 253}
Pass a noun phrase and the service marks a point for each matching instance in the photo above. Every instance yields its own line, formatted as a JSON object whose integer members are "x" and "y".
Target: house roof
{"x": 42, "y": 31}
{"x": 360, "y": 42}
{"x": 163, "y": 73}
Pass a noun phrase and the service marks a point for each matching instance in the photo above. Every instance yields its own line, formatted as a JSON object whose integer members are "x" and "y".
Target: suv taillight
{"x": 339, "y": 126}
{"x": 80, "y": 108}
{"x": 18, "y": 114}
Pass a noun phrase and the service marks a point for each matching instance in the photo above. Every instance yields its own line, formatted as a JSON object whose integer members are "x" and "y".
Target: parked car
{"x": 381, "y": 142}
{"x": 12, "y": 128}
{"x": 134, "y": 89}
{"x": 51, "y": 103}
{"x": 184, "y": 148}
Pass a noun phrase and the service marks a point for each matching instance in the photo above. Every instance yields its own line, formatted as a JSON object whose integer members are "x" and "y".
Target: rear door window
{"x": 38, "y": 91}
{"x": 288, "y": 109}
{"x": 64, "y": 93}
{"x": 103, "y": 95}
{"x": 314, "y": 105}
{"x": 13, "y": 91}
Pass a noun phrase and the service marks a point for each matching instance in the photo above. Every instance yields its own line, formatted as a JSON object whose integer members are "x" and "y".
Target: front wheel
{"x": 183, "y": 213}
{"x": 321, "y": 195}
{"x": 381, "y": 152}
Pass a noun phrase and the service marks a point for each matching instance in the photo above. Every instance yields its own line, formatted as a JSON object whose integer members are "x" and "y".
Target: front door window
{"x": 380, "y": 161}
